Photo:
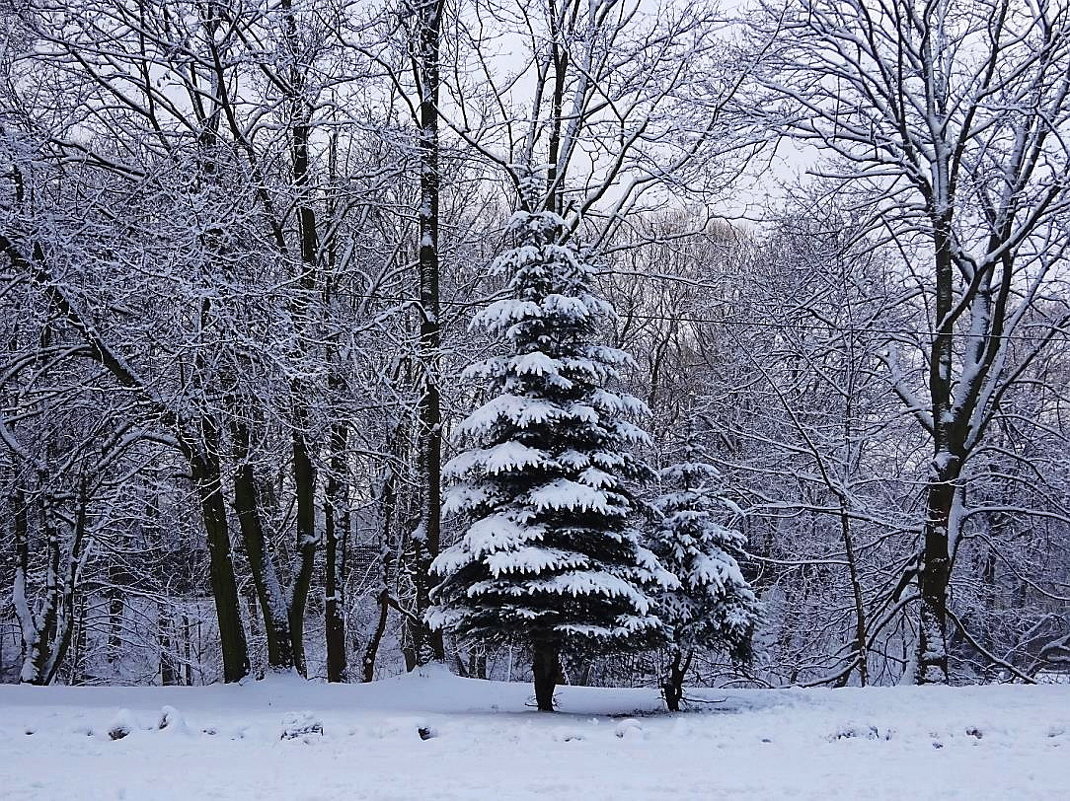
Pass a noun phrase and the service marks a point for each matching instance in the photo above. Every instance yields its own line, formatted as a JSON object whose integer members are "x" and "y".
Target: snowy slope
{"x": 998, "y": 743}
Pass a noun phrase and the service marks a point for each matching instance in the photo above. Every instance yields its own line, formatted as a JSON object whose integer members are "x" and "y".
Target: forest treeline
{"x": 241, "y": 244}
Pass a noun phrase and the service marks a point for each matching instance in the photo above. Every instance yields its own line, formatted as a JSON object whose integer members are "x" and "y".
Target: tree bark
{"x": 273, "y": 607}
{"x": 934, "y": 571}
{"x": 307, "y": 541}
{"x": 674, "y": 680}
{"x": 861, "y": 646}
{"x": 546, "y": 672}
{"x": 368, "y": 662}
{"x": 206, "y": 472}
{"x": 336, "y": 530}
{"x": 934, "y": 575}
{"x": 304, "y": 470}
{"x": 428, "y": 645}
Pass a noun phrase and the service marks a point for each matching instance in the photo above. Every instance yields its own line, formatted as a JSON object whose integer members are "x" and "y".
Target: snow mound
{"x": 172, "y": 722}
{"x": 122, "y": 725}
{"x": 628, "y": 729}
{"x": 301, "y": 726}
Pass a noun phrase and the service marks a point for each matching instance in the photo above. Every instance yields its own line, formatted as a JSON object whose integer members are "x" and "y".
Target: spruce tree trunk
{"x": 546, "y": 671}
{"x": 674, "y": 681}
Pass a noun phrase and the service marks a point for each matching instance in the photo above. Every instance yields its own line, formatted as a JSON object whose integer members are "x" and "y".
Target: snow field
{"x": 483, "y": 742}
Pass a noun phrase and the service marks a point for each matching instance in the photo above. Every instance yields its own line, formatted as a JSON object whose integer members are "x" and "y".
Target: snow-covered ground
{"x": 999, "y": 743}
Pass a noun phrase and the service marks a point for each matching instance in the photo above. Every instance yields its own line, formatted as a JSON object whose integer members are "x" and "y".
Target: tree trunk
{"x": 304, "y": 469}
{"x": 674, "y": 680}
{"x": 307, "y": 541}
{"x": 206, "y": 476}
{"x": 336, "y": 512}
{"x": 47, "y": 634}
{"x": 337, "y": 530}
{"x": 546, "y": 671}
{"x": 389, "y": 499}
{"x": 261, "y": 565}
{"x": 428, "y": 645}
{"x": 861, "y": 647}
{"x": 934, "y": 572}
{"x": 368, "y": 662}
{"x": 934, "y": 575}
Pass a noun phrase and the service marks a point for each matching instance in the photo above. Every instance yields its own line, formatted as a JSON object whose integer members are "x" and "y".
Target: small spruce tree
{"x": 711, "y": 606}
{"x": 549, "y": 556}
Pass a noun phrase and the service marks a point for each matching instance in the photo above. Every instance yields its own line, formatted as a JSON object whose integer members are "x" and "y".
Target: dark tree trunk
{"x": 861, "y": 647}
{"x": 427, "y": 645}
{"x": 336, "y": 512}
{"x": 388, "y": 501}
{"x": 187, "y": 651}
{"x": 674, "y": 679}
{"x": 559, "y": 55}
{"x": 206, "y": 476}
{"x": 934, "y": 571}
{"x": 257, "y": 551}
{"x": 368, "y": 662}
{"x": 934, "y": 576}
{"x": 79, "y": 663}
{"x": 304, "y": 470}
{"x": 546, "y": 672}
{"x": 307, "y": 542}
{"x": 336, "y": 530}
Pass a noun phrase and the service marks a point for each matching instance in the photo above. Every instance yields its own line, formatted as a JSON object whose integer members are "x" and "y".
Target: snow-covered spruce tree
{"x": 549, "y": 557}
{"x": 712, "y": 605}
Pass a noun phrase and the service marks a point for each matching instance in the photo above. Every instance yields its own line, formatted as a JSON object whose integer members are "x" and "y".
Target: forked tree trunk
{"x": 265, "y": 576}
{"x": 673, "y": 688}
{"x": 546, "y": 671}
{"x": 47, "y": 632}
